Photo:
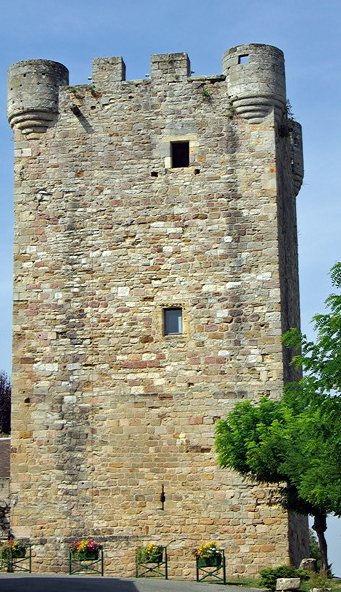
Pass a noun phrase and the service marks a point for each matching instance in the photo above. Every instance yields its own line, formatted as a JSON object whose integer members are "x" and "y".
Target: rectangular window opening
{"x": 243, "y": 59}
{"x": 180, "y": 154}
{"x": 172, "y": 321}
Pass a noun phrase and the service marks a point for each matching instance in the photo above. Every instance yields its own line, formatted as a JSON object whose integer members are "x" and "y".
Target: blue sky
{"x": 75, "y": 31}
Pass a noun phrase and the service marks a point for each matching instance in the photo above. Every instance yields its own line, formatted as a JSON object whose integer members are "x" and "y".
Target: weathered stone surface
{"x": 108, "y": 412}
{"x": 308, "y": 564}
{"x": 288, "y": 583}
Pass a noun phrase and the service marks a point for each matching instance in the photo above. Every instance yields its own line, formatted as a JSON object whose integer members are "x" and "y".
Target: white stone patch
{"x": 253, "y": 359}
{"x": 273, "y": 316}
{"x": 264, "y": 276}
{"x": 73, "y": 366}
{"x": 68, "y": 399}
{"x": 51, "y": 367}
{"x": 146, "y": 357}
{"x": 230, "y": 285}
{"x": 174, "y": 230}
{"x": 135, "y": 390}
{"x": 123, "y": 291}
{"x": 213, "y": 288}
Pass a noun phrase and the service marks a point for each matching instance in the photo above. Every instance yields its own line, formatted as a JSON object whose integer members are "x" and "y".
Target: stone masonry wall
{"x": 108, "y": 411}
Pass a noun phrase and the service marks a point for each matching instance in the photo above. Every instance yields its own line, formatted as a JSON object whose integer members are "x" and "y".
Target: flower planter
{"x": 15, "y": 556}
{"x": 85, "y": 555}
{"x": 88, "y": 560}
{"x": 151, "y": 561}
{"x": 213, "y": 561}
{"x": 18, "y": 553}
{"x": 212, "y": 568}
{"x": 156, "y": 558}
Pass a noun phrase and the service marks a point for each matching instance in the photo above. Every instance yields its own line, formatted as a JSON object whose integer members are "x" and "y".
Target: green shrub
{"x": 319, "y": 580}
{"x": 270, "y": 575}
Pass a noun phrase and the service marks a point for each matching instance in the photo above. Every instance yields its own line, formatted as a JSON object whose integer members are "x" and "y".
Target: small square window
{"x": 243, "y": 59}
{"x": 172, "y": 321}
{"x": 180, "y": 154}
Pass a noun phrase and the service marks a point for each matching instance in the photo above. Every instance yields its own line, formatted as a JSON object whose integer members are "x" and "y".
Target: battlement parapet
{"x": 253, "y": 76}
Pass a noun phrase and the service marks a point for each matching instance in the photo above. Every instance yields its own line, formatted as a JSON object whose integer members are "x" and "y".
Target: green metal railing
{"x": 212, "y": 570}
{"x": 20, "y": 560}
{"x": 150, "y": 569}
{"x": 86, "y": 565}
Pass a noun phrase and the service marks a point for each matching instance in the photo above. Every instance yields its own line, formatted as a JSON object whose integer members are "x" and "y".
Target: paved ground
{"x": 37, "y": 583}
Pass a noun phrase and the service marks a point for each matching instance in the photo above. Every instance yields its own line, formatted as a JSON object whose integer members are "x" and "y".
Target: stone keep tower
{"x": 155, "y": 272}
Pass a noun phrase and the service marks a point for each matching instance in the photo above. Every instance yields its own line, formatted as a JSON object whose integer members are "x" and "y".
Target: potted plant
{"x": 12, "y": 549}
{"x": 149, "y": 554}
{"x": 85, "y": 550}
{"x": 208, "y": 555}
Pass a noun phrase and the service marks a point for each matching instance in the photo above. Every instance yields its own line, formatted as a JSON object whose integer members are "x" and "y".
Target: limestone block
{"x": 288, "y": 583}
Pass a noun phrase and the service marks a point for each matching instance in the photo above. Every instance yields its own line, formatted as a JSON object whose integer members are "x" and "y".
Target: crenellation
{"x": 170, "y": 67}
{"x": 106, "y": 71}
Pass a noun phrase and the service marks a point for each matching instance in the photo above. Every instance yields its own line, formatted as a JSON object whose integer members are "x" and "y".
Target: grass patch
{"x": 244, "y": 582}
{"x": 333, "y": 583}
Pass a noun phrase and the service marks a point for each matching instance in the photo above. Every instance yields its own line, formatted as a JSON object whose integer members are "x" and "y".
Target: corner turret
{"x": 33, "y": 87}
{"x": 256, "y": 80}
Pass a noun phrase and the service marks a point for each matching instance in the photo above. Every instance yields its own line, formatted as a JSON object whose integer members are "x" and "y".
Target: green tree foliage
{"x": 5, "y": 403}
{"x": 321, "y": 359}
{"x": 296, "y": 441}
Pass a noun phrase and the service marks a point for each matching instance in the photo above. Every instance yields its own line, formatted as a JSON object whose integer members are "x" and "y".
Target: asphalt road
{"x": 35, "y": 583}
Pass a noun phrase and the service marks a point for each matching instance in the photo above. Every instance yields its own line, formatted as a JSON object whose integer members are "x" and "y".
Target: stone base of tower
{"x": 267, "y": 537}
